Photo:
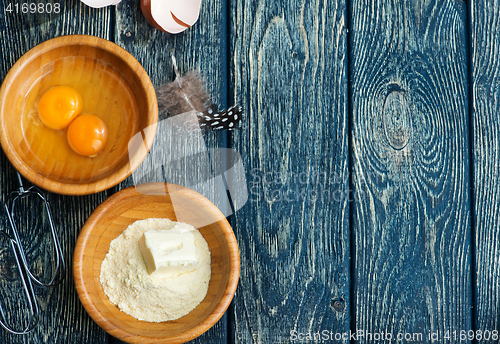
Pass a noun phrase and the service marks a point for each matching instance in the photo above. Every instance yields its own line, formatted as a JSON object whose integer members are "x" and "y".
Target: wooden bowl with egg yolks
{"x": 113, "y": 86}
{"x": 156, "y": 200}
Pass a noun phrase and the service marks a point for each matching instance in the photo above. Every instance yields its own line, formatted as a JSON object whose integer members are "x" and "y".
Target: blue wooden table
{"x": 371, "y": 148}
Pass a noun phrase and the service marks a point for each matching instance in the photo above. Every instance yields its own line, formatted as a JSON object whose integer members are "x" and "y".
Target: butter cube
{"x": 168, "y": 252}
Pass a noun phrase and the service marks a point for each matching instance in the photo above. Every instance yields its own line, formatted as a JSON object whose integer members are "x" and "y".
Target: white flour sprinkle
{"x": 127, "y": 284}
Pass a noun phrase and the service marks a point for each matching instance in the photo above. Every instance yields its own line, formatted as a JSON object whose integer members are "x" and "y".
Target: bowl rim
{"x": 204, "y": 325}
{"x": 76, "y": 189}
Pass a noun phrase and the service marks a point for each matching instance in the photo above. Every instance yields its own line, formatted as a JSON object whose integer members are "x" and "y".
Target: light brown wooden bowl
{"x": 113, "y": 85}
{"x": 154, "y": 200}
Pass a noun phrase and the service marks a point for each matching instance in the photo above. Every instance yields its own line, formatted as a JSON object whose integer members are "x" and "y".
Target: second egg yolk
{"x": 87, "y": 135}
{"x": 59, "y": 106}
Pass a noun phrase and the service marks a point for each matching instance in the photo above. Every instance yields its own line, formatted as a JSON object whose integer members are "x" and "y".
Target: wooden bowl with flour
{"x": 156, "y": 200}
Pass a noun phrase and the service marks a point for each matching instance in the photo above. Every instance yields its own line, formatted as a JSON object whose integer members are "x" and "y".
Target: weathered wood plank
{"x": 63, "y": 319}
{"x": 485, "y": 54}
{"x": 22, "y": 31}
{"x": 410, "y": 162}
{"x": 203, "y": 48}
{"x": 288, "y": 66}
{"x": 200, "y": 48}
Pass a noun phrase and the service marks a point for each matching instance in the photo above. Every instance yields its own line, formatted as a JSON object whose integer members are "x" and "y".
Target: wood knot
{"x": 338, "y": 305}
{"x": 396, "y": 117}
{"x": 8, "y": 266}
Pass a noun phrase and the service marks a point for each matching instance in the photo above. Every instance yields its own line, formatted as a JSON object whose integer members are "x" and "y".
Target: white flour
{"x": 127, "y": 284}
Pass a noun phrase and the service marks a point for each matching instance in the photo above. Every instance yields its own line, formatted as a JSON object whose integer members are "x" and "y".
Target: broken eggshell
{"x": 172, "y": 16}
{"x": 100, "y": 3}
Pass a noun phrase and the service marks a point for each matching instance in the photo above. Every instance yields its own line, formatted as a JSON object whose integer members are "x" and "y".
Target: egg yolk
{"x": 87, "y": 135}
{"x": 59, "y": 106}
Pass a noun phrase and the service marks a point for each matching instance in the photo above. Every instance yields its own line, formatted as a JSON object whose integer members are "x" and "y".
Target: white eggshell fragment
{"x": 172, "y": 16}
{"x": 163, "y": 17}
{"x": 186, "y": 11}
{"x": 100, "y": 3}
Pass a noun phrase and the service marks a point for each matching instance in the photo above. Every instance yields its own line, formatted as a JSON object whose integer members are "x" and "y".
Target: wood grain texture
{"x": 485, "y": 54}
{"x": 21, "y": 31}
{"x": 63, "y": 319}
{"x": 411, "y": 168}
{"x": 288, "y": 66}
{"x": 176, "y": 157}
{"x": 199, "y": 48}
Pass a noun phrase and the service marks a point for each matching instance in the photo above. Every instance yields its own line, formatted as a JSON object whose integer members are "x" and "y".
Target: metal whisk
{"x": 28, "y": 278}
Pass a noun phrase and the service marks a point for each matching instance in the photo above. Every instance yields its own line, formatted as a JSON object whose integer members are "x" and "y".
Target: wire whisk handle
{"x": 27, "y": 276}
